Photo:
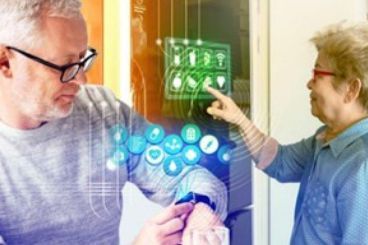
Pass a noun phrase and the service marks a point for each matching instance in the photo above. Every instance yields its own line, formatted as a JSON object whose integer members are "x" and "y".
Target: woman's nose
{"x": 309, "y": 84}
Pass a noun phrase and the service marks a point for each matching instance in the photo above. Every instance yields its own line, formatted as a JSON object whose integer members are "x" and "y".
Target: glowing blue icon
{"x": 191, "y": 133}
{"x": 119, "y": 134}
{"x": 209, "y": 144}
{"x": 173, "y": 144}
{"x": 137, "y": 144}
{"x": 155, "y": 155}
{"x": 120, "y": 155}
{"x": 173, "y": 166}
{"x": 191, "y": 155}
{"x": 224, "y": 154}
{"x": 155, "y": 134}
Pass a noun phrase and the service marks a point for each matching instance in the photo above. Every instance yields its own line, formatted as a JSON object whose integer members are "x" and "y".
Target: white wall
{"x": 292, "y": 24}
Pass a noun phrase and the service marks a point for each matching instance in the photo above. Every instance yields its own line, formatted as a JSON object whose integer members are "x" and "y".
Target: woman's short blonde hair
{"x": 346, "y": 47}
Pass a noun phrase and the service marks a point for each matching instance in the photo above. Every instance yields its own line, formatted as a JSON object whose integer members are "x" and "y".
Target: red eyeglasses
{"x": 316, "y": 72}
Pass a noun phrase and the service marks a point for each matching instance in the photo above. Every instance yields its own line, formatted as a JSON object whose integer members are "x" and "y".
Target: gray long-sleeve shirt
{"x": 56, "y": 188}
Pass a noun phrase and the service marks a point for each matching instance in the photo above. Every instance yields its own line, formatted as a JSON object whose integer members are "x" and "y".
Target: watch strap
{"x": 196, "y": 198}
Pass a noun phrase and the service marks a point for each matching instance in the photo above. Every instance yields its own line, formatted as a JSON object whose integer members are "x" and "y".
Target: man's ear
{"x": 353, "y": 90}
{"x": 4, "y": 62}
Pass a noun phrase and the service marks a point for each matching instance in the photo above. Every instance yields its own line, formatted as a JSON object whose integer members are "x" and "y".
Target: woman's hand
{"x": 225, "y": 108}
{"x": 166, "y": 228}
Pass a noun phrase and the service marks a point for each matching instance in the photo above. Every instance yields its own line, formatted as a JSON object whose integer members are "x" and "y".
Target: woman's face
{"x": 327, "y": 102}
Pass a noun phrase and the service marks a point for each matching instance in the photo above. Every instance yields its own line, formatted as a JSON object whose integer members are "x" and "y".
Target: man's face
{"x": 36, "y": 89}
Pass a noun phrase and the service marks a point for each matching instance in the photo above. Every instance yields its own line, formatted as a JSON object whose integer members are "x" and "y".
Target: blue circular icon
{"x": 155, "y": 134}
{"x": 120, "y": 155}
{"x": 191, "y": 133}
{"x": 155, "y": 155}
{"x": 224, "y": 154}
{"x": 137, "y": 144}
{"x": 173, "y": 166}
{"x": 173, "y": 144}
{"x": 118, "y": 134}
{"x": 191, "y": 154}
{"x": 209, "y": 144}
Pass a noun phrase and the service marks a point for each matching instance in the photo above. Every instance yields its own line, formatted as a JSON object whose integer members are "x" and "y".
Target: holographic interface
{"x": 191, "y": 66}
{"x": 172, "y": 152}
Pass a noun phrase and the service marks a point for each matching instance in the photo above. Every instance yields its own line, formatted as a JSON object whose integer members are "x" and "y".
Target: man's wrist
{"x": 197, "y": 198}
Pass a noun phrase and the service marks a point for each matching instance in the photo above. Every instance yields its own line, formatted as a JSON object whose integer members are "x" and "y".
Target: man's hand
{"x": 166, "y": 228}
{"x": 202, "y": 218}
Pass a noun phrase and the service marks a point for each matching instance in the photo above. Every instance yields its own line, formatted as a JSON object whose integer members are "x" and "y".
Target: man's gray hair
{"x": 20, "y": 20}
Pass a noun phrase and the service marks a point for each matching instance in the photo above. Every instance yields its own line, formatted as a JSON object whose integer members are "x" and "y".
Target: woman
{"x": 331, "y": 165}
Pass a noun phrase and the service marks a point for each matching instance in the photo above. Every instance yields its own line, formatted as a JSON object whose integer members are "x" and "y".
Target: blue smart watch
{"x": 196, "y": 198}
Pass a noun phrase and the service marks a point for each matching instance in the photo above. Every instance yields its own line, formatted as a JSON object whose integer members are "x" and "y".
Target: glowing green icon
{"x": 177, "y": 82}
{"x": 207, "y": 82}
{"x": 220, "y": 56}
{"x": 221, "y": 81}
{"x": 192, "y": 82}
{"x": 177, "y": 55}
{"x": 207, "y": 58}
{"x": 192, "y": 57}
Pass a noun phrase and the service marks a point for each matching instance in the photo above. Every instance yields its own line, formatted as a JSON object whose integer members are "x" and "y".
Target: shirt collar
{"x": 348, "y": 136}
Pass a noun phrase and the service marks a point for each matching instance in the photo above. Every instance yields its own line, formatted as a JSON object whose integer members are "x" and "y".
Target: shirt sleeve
{"x": 290, "y": 160}
{"x": 164, "y": 189}
{"x": 352, "y": 204}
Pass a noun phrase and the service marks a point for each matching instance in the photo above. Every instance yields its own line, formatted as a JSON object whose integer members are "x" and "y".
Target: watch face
{"x": 187, "y": 198}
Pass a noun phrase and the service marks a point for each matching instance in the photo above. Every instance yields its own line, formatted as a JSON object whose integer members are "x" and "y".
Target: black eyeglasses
{"x": 69, "y": 71}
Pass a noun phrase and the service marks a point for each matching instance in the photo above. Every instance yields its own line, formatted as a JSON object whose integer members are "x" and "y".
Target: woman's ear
{"x": 4, "y": 62}
{"x": 353, "y": 90}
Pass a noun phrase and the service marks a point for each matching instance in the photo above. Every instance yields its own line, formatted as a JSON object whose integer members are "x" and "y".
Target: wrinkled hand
{"x": 202, "y": 218}
{"x": 166, "y": 228}
{"x": 225, "y": 108}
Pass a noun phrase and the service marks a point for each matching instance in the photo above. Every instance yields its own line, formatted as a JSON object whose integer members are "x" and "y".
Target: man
{"x": 55, "y": 187}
